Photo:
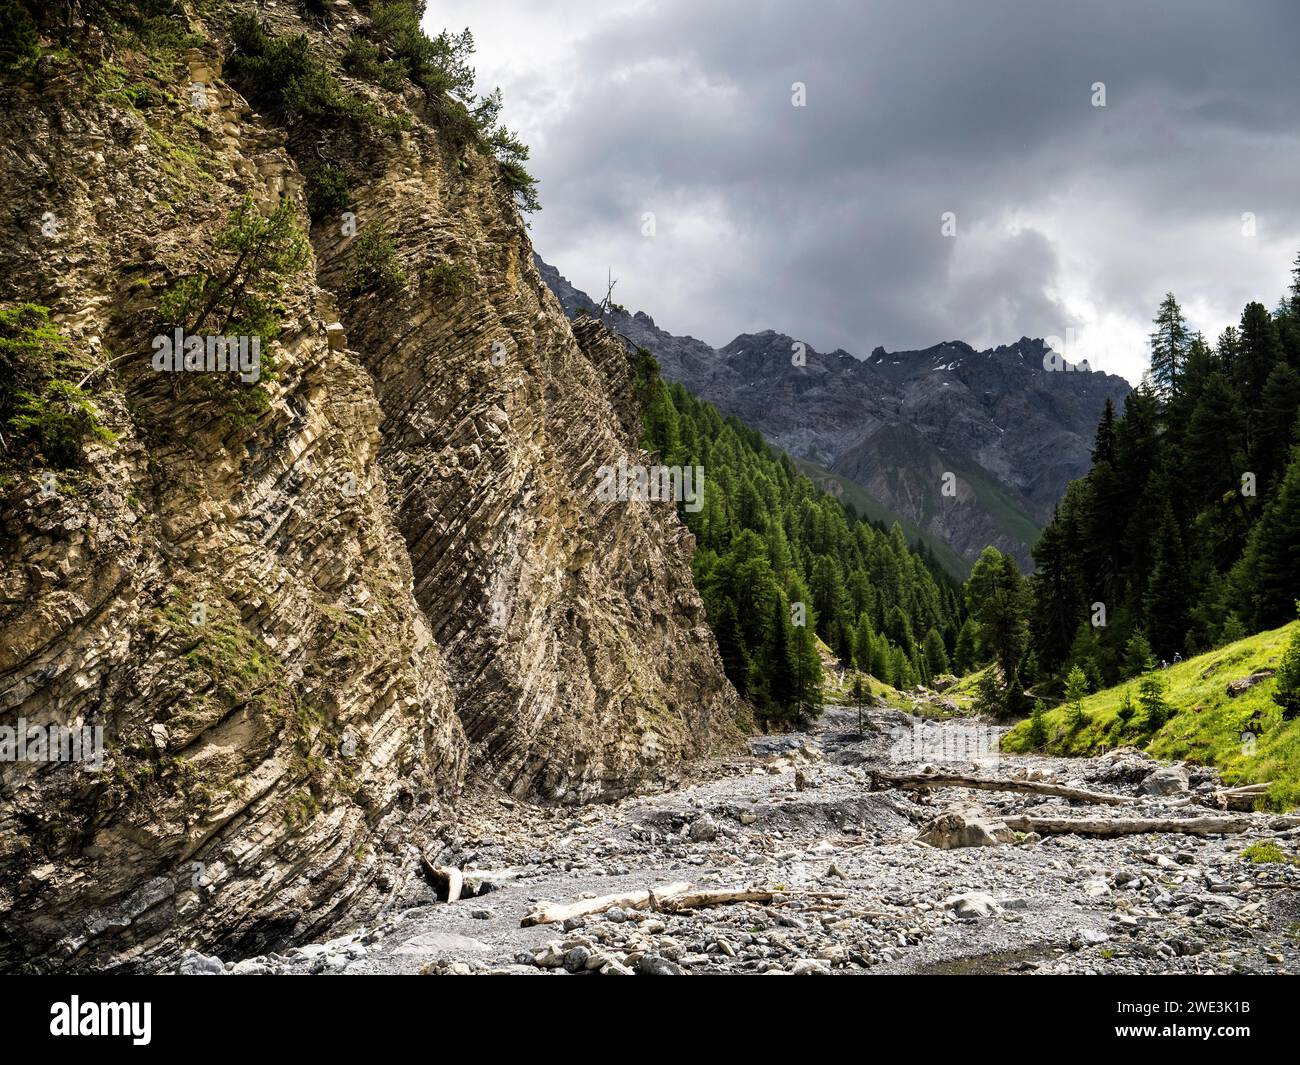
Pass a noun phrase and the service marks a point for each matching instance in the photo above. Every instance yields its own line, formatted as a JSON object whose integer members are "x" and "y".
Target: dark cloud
{"x": 824, "y": 221}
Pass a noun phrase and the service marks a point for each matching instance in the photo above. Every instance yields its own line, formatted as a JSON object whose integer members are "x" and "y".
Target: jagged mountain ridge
{"x": 1013, "y": 433}
{"x": 405, "y": 572}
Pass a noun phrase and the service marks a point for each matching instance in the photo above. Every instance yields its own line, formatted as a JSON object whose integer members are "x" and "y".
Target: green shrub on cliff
{"x": 282, "y": 77}
{"x": 46, "y": 416}
{"x": 329, "y": 191}
{"x": 374, "y": 267}
{"x": 19, "y": 42}
{"x": 241, "y": 287}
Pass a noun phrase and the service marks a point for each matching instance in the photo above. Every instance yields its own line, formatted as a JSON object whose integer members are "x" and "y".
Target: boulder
{"x": 1167, "y": 780}
{"x": 1244, "y": 684}
{"x": 193, "y": 963}
{"x": 964, "y": 830}
{"x": 704, "y": 830}
{"x": 1088, "y": 937}
{"x": 972, "y": 906}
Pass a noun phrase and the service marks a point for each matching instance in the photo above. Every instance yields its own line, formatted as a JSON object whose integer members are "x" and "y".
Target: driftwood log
{"x": 1086, "y": 826}
{"x": 672, "y": 898}
{"x": 1243, "y": 798}
{"x": 447, "y": 879}
{"x": 925, "y": 781}
{"x": 649, "y": 898}
{"x": 698, "y": 900}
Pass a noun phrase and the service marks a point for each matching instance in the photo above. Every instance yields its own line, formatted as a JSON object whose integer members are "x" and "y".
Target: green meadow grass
{"x": 1205, "y": 726}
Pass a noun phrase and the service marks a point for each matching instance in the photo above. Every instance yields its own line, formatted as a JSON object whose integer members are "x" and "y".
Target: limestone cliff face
{"x": 301, "y": 629}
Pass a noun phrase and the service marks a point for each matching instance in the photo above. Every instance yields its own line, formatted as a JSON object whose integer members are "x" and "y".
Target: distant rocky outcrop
{"x": 1011, "y": 433}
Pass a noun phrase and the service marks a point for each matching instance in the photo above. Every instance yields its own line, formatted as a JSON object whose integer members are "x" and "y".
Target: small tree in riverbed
{"x": 990, "y": 700}
{"x": 858, "y": 697}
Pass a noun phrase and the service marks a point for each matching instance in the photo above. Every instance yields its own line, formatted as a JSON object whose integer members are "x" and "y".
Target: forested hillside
{"x": 1185, "y": 534}
{"x": 770, "y": 542}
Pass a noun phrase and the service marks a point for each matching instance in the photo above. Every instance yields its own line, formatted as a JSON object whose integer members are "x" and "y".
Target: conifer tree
{"x": 965, "y": 656}
{"x": 1038, "y": 726}
{"x": 1076, "y": 687}
{"x": 1166, "y": 598}
{"x": 1267, "y": 575}
{"x": 1287, "y": 693}
{"x": 999, "y": 600}
{"x": 1169, "y": 344}
{"x": 936, "y": 655}
{"x": 1138, "y": 657}
{"x": 1151, "y": 697}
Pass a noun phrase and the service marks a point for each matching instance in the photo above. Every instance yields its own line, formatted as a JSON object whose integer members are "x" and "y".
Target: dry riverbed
{"x": 852, "y": 888}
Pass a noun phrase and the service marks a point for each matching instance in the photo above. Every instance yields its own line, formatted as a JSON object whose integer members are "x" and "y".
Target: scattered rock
{"x": 193, "y": 963}
{"x": 963, "y": 830}
{"x": 1167, "y": 780}
{"x": 1087, "y": 937}
{"x": 972, "y": 906}
{"x": 704, "y": 830}
{"x": 654, "y": 965}
{"x": 1244, "y": 684}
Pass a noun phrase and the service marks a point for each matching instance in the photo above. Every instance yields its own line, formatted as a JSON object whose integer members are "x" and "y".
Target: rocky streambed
{"x": 838, "y": 878}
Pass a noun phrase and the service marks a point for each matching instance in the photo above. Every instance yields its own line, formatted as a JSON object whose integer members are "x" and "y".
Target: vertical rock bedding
{"x": 305, "y": 612}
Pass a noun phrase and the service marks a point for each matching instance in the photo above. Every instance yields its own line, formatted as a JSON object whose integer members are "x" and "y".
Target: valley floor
{"x": 857, "y": 892}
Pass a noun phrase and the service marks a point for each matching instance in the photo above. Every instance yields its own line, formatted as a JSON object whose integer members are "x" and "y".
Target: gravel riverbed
{"x": 853, "y": 888}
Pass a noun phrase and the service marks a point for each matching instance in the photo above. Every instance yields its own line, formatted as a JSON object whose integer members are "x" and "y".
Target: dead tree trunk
{"x": 925, "y": 781}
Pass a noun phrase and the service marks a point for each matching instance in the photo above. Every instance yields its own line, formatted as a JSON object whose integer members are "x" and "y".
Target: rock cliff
{"x": 304, "y": 612}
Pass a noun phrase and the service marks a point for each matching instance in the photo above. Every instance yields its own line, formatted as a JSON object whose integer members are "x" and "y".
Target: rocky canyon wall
{"x": 304, "y": 623}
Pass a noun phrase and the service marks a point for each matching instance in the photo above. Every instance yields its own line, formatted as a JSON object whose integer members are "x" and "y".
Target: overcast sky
{"x": 825, "y": 221}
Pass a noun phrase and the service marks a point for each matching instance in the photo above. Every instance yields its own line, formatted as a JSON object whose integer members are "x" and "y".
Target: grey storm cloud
{"x": 824, "y": 221}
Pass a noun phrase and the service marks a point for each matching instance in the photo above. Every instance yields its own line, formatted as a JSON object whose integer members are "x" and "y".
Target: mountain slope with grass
{"x": 1244, "y": 735}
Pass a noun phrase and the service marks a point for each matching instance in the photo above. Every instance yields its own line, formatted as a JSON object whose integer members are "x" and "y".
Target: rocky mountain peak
{"x": 1014, "y": 432}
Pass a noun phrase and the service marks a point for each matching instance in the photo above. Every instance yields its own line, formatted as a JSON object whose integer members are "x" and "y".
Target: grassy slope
{"x": 1206, "y": 726}
{"x": 963, "y": 692}
{"x": 913, "y": 461}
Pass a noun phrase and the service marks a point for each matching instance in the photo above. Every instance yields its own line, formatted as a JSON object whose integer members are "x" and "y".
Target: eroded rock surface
{"x": 300, "y": 628}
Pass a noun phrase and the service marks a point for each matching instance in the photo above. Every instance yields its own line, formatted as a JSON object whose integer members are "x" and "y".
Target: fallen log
{"x": 1242, "y": 798}
{"x": 650, "y": 898}
{"x": 699, "y": 900}
{"x": 926, "y": 781}
{"x": 1086, "y": 826}
{"x": 447, "y": 879}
